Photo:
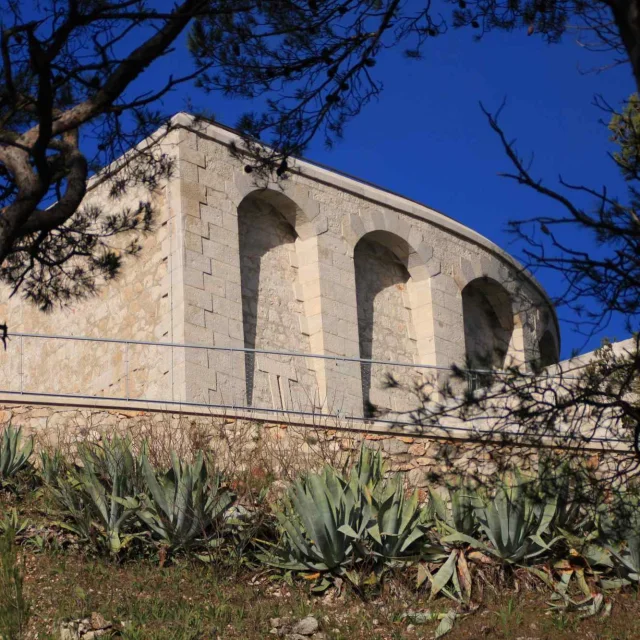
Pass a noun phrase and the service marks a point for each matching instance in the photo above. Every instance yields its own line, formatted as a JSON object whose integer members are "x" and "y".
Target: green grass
{"x": 510, "y": 618}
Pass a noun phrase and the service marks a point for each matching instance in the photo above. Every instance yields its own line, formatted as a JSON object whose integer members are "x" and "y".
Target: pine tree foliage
{"x": 70, "y": 102}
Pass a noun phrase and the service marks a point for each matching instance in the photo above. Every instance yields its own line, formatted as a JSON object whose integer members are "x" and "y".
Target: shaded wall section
{"x": 384, "y": 325}
{"x": 270, "y": 310}
{"x": 488, "y": 324}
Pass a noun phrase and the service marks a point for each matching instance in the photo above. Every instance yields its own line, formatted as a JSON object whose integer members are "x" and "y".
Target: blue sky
{"x": 426, "y": 137}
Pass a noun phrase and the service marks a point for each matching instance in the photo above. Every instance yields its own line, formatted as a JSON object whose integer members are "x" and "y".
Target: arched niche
{"x": 385, "y": 323}
{"x": 488, "y": 324}
{"x": 548, "y": 349}
{"x": 267, "y": 223}
{"x": 292, "y": 200}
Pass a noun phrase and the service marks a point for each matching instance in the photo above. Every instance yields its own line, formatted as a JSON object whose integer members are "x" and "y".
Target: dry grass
{"x": 189, "y": 601}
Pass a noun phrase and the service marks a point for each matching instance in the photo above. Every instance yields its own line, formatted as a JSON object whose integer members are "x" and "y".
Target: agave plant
{"x": 323, "y": 523}
{"x": 454, "y": 509}
{"x": 52, "y": 466}
{"x": 620, "y": 536}
{"x": 369, "y": 469}
{"x": 12, "y": 522}
{"x": 513, "y": 522}
{"x": 332, "y": 523}
{"x": 14, "y": 455}
{"x": 184, "y": 504}
{"x": 98, "y": 497}
{"x": 400, "y": 525}
{"x": 569, "y": 489}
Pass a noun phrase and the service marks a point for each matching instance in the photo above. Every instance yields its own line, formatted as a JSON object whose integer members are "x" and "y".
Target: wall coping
{"x": 327, "y": 423}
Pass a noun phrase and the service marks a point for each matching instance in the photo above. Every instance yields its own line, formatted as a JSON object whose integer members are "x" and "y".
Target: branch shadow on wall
{"x": 488, "y": 328}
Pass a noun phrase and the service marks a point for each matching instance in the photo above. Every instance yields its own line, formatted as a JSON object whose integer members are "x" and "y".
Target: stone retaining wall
{"x": 277, "y": 449}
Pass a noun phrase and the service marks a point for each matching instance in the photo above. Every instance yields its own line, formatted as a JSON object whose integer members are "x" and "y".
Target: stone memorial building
{"x": 251, "y": 275}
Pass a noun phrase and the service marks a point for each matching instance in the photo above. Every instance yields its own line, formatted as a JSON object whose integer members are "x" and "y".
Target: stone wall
{"x": 316, "y": 263}
{"x": 271, "y": 312}
{"x": 280, "y": 450}
{"x": 385, "y": 324}
{"x": 331, "y": 220}
{"x": 137, "y": 306}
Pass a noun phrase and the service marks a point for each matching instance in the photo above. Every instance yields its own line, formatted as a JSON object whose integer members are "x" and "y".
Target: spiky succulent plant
{"x": 185, "y": 504}
{"x": 14, "y": 453}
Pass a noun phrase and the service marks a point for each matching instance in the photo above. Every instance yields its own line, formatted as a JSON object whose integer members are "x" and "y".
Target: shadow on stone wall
{"x": 262, "y": 231}
{"x": 382, "y": 317}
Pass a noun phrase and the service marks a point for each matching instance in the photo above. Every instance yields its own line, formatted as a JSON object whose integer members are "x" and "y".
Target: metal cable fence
{"x": 146, "y": 371}
{"x": 269, "y": 382}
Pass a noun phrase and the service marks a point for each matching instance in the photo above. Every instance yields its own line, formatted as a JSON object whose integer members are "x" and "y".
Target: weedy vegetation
{"x": 331, "y": 533}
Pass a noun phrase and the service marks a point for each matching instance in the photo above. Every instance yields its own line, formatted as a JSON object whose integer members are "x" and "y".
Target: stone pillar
{"x": 210, "y": 294}
{"x": 332, "y": 320}
{"x": 437, "y": 318}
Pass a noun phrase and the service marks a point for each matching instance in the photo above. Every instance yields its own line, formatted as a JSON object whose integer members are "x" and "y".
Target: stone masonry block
{"x": 194, "y": 334}
{"x": 221, "y": 252}
{"x": 194, "y": 315}
{"x": 194, "y": 278}
{"x": 215, "y": 285}
{"x": 211, "y": 215}
{"x": 218, "y": 323}
{"x": 197, "y": 261}
{"x": 193, "y": 191}
{"x": 229, "y": 273}
{"x": 191, "y": 155}
{"x": 198, "y": 297}
{"x": 210, "y": 178}
{"x": 192, "y": 241}
{"x": 233, "y": 292}
{"x": 197, "y": 226}
{"x": 187, "y": 171}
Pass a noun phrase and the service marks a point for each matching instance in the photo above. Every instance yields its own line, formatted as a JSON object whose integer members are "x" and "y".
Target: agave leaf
{"x": 582, "y": 583}
{"x": 415, "y": 535}
{"x": 423, "y": 575}
{"x": 374, "y": 532}
{"x": 543, "y": 575}
{"x": 616, "y": 583}
{"x": 464, "y": 576}
{"x": 444, "y": 574}
{"x": 157, "y": 491}
{"x": 347, "y": 530}
{"x": 446, "y": 624}
{"x": 473, "y": 542}
{"x": 14, "y": 455}
{"x": 321, "y": 586}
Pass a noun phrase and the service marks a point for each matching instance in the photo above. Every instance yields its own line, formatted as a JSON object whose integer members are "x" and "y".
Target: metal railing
{"x": 142, "y": 370}
{"x": 139, "y": 371}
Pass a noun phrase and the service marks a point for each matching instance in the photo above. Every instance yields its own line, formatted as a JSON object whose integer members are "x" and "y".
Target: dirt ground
{"x": 190, "y": 601}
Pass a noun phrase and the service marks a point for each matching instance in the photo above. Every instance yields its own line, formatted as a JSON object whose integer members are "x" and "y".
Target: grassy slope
{"x": 190, "y": 601}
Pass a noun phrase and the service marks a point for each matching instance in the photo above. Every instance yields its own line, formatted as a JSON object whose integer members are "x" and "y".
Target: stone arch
{"x": 386, "y": 327}
{"x": 489, "y": 323}
{"x": 268, "y": 226}
{"x": 397, "y": 235}
{"x": 292, "y": 200}
{"x": 548, "y": 349}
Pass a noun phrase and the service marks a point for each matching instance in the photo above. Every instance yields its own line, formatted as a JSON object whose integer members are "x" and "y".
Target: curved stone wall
{"x": 316, "y": 263}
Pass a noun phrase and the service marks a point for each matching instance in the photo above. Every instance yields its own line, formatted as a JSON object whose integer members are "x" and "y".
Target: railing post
{"x": 126, "y": 364}
{"x": 21, "y": 364}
